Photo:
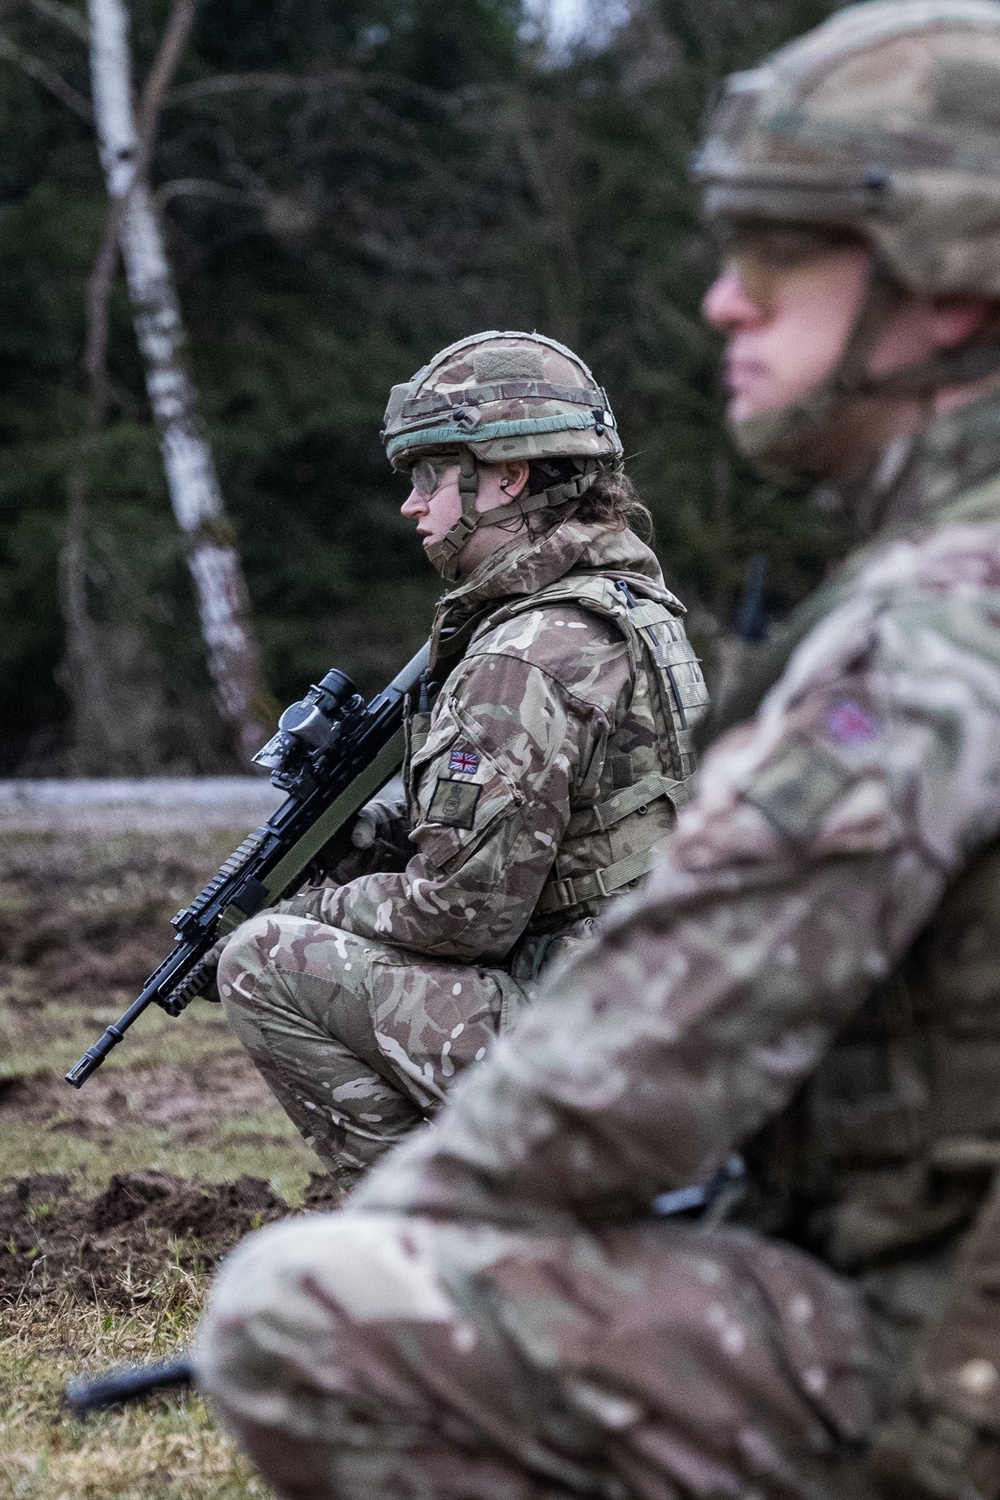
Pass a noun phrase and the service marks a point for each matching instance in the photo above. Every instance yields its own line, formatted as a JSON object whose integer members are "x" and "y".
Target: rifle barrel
{"x": 131, "y": 1383}
{"x": 95, "y": 1055}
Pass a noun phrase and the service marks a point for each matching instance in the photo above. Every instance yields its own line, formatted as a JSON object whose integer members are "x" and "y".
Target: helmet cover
{"x": 504, "y": 396}
{"x": 497, "y": 398}
{"x": 885, "y": 121}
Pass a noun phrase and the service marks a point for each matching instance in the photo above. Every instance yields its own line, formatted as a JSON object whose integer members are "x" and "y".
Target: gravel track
{"x": 153, "y": 805}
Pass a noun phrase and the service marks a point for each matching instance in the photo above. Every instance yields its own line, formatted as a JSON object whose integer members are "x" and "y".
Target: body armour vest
{"x": 628, "y": 805}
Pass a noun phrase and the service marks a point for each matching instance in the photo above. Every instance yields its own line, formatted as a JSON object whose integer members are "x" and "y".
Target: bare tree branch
{"x": 261, "y": 83}
{"x": 63, "y": 15}
{"x": 47, "y": 77}
{"x": 172, "y": 44}
{"x": 305, "y": 83}
{"x": 201, "y": 187}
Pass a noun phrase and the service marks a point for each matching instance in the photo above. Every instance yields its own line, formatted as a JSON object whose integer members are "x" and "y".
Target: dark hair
{"x": 612, "y": 499}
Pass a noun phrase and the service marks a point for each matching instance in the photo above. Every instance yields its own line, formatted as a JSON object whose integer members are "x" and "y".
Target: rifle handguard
{"x": 197, "y": 983}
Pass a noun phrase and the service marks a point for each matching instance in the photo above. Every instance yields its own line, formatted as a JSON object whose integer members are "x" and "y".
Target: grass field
{"x": 116, "y": 1201}
{"x": 169, "y": 1448}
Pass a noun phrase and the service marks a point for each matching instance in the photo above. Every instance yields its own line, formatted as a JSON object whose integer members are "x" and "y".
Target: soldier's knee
{"x": 250, "y": 949}
{"x": 280, "y": 1304}
{"x": 237, "y": 951}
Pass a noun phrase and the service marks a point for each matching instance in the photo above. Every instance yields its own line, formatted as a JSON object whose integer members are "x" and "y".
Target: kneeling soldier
{"x": 538, "y": 784}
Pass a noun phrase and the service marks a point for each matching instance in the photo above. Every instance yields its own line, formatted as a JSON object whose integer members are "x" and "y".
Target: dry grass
{"x": 170, "y": 1448}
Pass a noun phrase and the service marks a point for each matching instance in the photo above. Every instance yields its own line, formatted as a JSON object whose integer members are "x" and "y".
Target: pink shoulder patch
{"x": 849, "y": 724}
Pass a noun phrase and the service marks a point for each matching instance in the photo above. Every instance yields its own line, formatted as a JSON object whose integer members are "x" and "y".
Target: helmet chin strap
{"x": 779, "y": 444}
{"x": 444, "y": 554}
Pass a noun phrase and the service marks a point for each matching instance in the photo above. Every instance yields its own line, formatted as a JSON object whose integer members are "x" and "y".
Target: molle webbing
{"x": 681, "y": 704}
{"x": 633, "y": 798}
{"x": 663, "y": 658}
{"x": 560, "y": 895}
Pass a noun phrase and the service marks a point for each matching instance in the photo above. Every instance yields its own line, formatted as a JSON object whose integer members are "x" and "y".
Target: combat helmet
{"x": 495, "y": 397}
{"x": 884, "y": 121}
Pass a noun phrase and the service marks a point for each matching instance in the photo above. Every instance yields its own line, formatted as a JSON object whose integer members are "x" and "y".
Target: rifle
{"x": 129, "y": 1383}
{"x": 331, "y": 753}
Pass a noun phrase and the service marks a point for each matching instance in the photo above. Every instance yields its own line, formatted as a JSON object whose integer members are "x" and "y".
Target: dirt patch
{"x": 213, "y": 1216}
{"x": 113, "y": 1248}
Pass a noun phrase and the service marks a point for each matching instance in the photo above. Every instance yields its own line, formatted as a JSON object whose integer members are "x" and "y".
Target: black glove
{"x": 380, "y": 836}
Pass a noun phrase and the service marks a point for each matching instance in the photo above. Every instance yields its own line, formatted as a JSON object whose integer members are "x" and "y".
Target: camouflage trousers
{"x": 358, "y": 1354}
{"x": 359, "y": 1041}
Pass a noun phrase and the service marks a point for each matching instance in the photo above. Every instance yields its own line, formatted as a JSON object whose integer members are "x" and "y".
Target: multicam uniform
{"x": 828, "y": 913}
{"x": 552, "y": 763}
{"x": 810, "y": 973}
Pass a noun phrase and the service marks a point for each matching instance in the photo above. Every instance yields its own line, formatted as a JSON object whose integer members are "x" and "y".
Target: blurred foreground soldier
{"x": 536, "y": 786}
{"x": 812, "y": 973}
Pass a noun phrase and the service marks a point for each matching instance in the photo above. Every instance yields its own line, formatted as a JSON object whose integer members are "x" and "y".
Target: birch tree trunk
{"x": 97, "y": 729}
{"x": 233, "y": 660}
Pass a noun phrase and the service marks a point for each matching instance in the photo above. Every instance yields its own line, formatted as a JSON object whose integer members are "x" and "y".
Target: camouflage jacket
{"x": 811, "y": 970}
{"x": 554, "y": 757}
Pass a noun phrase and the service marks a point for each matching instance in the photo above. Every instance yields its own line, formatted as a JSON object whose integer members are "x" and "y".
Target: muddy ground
{"x": 118, "y": 1199}
{"x": 58, "y": 1241}
{"x": 84, "y": 918}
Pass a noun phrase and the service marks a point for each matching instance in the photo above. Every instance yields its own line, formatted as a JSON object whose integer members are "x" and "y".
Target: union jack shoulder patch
{"x": 465, "y": 762}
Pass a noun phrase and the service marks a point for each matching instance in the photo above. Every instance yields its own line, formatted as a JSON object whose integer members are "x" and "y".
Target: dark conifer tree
{"x": 347, "y": 186}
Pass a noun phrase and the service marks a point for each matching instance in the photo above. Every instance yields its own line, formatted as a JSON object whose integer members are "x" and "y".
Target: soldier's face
{"x": 434, "y": 501}
{"x": 787, "y": 301}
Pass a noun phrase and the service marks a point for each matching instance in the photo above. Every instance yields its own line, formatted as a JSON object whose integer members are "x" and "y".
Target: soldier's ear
{"x": 514, "y": 478}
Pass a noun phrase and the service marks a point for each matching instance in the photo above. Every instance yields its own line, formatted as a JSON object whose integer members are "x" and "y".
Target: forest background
{"x": 345, "y": 186}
